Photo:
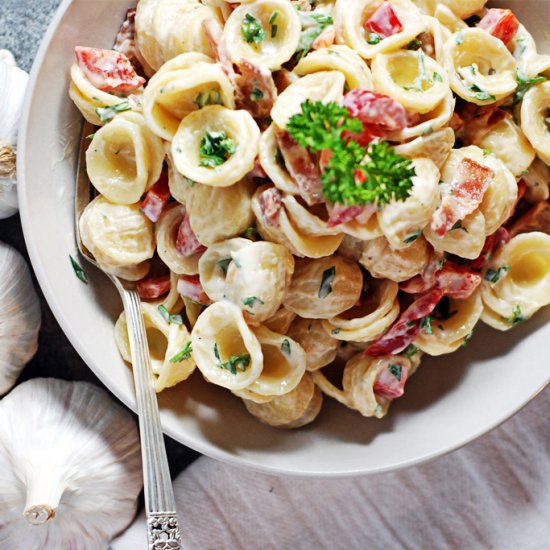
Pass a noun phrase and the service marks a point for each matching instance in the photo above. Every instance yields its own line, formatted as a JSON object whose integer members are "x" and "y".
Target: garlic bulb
{"x": 13, "y": 82}
{"x": 70, "y": 466}
{"x": 19, "y": 316}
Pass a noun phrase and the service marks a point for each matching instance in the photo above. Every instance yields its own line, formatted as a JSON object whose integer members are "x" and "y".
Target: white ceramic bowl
{"x": 450, "y": 401}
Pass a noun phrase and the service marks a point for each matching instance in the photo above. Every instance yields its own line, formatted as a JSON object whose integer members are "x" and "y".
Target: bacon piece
{"x": 189, "y": 286}
{"x": 187, "y": 243}
{"x": 257, "y": 90}
{"x": 302, "y": 167}
{"x": 456, "y": 123}
{"x": 492, "y": 242}
{"x": 405, "y": 329}
{"x": 456, "y": 281}
{"x": 379, "y": 112}
{"x": 125, "y": 40}
{"x": 108, "y": 70}
{"x": 535, "y": 219}
{"x": 466, "y": 193}
{"x": 284, "y": 78}
{"x": 156, "y": 198}
{"x": 217, "y": 42}
{"x": 154, "y": 287}
{"x": 384, "y": 21}
{"x": 427, "y": 43}
{"x": 388, "y": 386}
{"x": 478, "y": 121}
{"x": 258, "y": 171}
{"x": 501, "y": 23}
{"x": 270, "y": 205}
{"x": 522, "y": 188}
{"x": 341, "y": 213}
{"x": 325, "y": 39}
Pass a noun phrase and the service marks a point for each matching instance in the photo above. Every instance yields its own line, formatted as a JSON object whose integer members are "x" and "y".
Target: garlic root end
{"x": 39, "y": 514}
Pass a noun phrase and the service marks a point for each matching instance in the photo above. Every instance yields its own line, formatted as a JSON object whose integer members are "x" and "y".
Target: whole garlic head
{"x": 19, "y": 316}
{"x": 13, "y": 83}
{"x": 70, "y": 466}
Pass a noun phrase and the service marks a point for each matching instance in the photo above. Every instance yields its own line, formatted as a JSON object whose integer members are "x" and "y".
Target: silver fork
{"x": 162, "y": 523}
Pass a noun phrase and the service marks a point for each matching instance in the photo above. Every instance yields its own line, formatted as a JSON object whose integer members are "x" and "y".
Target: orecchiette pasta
{"x": 191, "y": 145}
{"x": 124, "y": 159}
{"x": 320, "y": 189}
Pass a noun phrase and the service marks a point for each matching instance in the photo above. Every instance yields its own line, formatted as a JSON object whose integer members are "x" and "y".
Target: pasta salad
{"x": 310, "y": 195}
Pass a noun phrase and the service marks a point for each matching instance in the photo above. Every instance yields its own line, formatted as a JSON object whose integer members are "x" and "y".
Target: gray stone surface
{"x": 22, "y": 25}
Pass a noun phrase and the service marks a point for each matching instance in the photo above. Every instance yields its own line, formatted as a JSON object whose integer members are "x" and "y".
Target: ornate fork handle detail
{"x": 163, "y": 532}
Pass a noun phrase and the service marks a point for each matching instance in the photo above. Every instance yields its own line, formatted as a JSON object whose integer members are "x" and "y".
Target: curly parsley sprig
{"x": 354, "y": 175}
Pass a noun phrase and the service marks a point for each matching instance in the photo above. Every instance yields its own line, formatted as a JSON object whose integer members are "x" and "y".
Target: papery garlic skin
{"x": 70, "y": 467}
{"x": 20, "y": 317}
{"x": 13, "y": 83}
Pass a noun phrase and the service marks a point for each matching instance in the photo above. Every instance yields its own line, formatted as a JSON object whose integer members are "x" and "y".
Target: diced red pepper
{"x": 156, "y": 198}
{"x": 501, "y": 23}
{"x": 384, "y": 21}
{"x": 187, "y": 243}
{"x": 154, "y": 287}
{"x": 189, "y": 286}
{"x": 108, "y": 70}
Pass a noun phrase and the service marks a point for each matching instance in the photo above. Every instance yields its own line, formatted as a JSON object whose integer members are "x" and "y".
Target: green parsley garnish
{"x": 313, "y": 24}
{"x": 412, "y": 237}
{"x": 252, "y": 30}
{"x": 387, "y": 175}
{"x": 184, "y": 353}
{"x": 272, "y": 19}
{"x": 170, "y": 318}
{"x": 212, "y": 97}
{"x": 78, "y": 271}
{"x": 494, "y": 276}
{"x": 335, "y": 331}
{"x": 256, "y": 94}
{"x": 90, "y": 136}
{"x": 107, "y": 113}
{"x": 482, "y": 95}
{"x": 224, "y": 264}
{"x": 215, "y": 149}
{"x": 251, "y": 301}
{"x": 374, "y": 38}
{"x": 234, "y": 363}
{"x": 525, "y": 84}
{"x": 426, "y": 324}
{"x": 326, "y": 282}
{"x": 397, "y": 371}
{"x": 517, "y": 316}
{"x": 285, "y": 347}
{"x": 414, "y": 44}
{"x": 250, "y": 233}
{"x": 437, "y": 77}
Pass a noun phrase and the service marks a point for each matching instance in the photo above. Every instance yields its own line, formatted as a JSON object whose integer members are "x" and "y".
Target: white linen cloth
{"x": 492, "y": 494}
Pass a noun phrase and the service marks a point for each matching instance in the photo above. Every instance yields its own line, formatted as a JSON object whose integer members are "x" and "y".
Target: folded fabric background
{"x": 493, "y": 494}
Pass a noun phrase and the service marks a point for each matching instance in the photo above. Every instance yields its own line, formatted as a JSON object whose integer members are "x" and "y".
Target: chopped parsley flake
{"x": 426, "y": 324}
{"x": 494, "y": 276}
{"x": 437, "y": 77}
{"x": 525, "y": 83}
{"x": 272, "y": 19}
{"x": 212, "y": 97}
{"x": 412, "y": 237}
{"x": 224, "y": 264}
{"x": 250, "y": 233}
{"x": 215, "y": 149}
{"x": 256, "y": 94}
{"x": 335, "y": 331}
{"x": 234, "y": 364}
{"x": 326, "y": 282}
{"x": 414, "y": 44}
{"x": 78, "y": 271}
{"x": 397, "y": 371}
{"x": 107, "y": 113}
{"x": 170, "y": 318}
{"x": 313, "y": 24}
{"x": 252, "y": 30}
{"x": 482, "y": 95}
{"x": 184, "y": 353}
{"x": 458, "y": 225}
{"x": 517, "y": 316}
{"x": 285, "y": 347}
{"x": 374, "y": 38}
{"x": 251, "y": 301}
{"x": 410, "y": 350}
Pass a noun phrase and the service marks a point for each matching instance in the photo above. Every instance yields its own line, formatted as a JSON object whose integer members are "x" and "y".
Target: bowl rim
{"x": 205, "y": 447}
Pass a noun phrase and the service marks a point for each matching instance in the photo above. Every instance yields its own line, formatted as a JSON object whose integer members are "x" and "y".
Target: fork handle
{"x": 160, "y": 507}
